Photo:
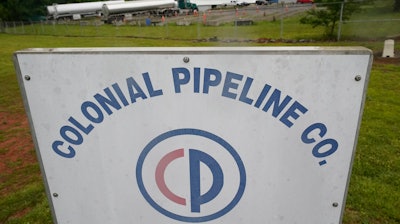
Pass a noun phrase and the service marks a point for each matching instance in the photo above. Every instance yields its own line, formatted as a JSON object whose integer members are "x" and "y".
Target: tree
{"x": 396, "y": 6}
{"x": 17, "y": 10}
{"x": 328, "y": 13}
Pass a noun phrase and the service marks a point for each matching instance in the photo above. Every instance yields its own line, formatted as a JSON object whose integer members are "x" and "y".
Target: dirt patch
{"x": 16, "y": 145}
{"x": 386, "y": 60}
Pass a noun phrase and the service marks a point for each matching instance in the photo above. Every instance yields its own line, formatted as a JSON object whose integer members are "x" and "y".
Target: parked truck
{"x": 112, "y": 12}
{"x": 77, "y": 10}
{"x": 268, "y": 2}
{"x": 152, "y": 7}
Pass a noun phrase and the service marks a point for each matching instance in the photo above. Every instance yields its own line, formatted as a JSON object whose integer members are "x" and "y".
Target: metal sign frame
{"x": 218, "y": 135}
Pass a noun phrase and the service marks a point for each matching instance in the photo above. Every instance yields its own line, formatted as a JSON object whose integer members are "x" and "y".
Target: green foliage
{"x": 23, "y": 10}
{"x": 17, "y": 10}
{"x": 396, "y": 6}
{"x": 329, "y": 13}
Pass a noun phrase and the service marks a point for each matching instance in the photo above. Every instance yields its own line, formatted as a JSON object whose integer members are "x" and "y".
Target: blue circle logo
{"x": 191, "y": 175}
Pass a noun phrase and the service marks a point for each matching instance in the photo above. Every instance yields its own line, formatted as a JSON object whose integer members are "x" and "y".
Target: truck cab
{"x": 186, "y": 4}
{"x": 261, "y": 2}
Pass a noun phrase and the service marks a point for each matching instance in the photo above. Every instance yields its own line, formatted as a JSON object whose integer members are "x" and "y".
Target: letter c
{"x": 322, "y": 131}
{"x": 56, "y": 149}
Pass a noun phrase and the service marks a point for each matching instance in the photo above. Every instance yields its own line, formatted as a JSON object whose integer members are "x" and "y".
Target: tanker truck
{"x": 77, "y": 10}
{"x": 112, "y": 12}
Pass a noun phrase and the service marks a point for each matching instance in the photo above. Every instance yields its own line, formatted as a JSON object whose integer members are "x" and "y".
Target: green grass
{"x": 373, "y": 193}
{"x": 292, "y": 29}
{"x": 22, "y": 194}
{"x": 27, "y": 205}
{"x": 374, "y": 189}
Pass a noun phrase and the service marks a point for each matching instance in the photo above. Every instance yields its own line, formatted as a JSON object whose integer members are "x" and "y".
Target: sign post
{"x": 216, "y": 135}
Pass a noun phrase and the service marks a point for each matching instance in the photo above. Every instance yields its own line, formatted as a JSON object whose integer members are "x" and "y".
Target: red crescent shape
{"x": 160, "y": 171}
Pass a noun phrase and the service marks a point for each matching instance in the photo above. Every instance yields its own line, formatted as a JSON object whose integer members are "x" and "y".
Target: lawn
{"x": 373, "y": 191}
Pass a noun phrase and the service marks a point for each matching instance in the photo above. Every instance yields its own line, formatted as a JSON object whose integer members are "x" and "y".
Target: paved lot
{"x": 252, "y": 12}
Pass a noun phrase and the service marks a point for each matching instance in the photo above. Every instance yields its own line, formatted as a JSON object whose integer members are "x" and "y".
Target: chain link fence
{"x": 262, "y": 22}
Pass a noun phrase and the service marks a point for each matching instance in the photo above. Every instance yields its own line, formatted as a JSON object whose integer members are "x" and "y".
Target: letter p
{"x": 180, "y": 79}
{"x": 195, "y": 157}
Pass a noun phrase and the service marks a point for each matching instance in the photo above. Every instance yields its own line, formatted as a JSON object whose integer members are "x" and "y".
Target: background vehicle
{"x": 77, "y": 10}
{"x": 186, "y": 4}
{"x": 239, "y": 3}
{"x": 266, "y": 2}
{"x": 305, "y": 1}
{"x": 129, "y": 8}
{"x": 261, "y": 2}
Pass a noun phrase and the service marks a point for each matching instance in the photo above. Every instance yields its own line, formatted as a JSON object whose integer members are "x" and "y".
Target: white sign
{"x": 175, "y": 135}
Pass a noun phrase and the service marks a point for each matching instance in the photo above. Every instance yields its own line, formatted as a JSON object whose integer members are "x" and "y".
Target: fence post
{"x": 167, "y": 29}
{"x": 23, "y": 27}
{"x": 198, "y": 27}
{"x": 54, "y": 27}
{"x": 236, "y": 22}
{"x": 33, "y": 31}
{"x": 41, "y": 26}
{"x": 340, "y": 21}
{"x": 281, "y": 31}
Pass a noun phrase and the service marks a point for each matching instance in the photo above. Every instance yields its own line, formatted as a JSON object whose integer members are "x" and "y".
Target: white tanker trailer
{"x": 158, "y": 7}
{"x": 77, "y": 10}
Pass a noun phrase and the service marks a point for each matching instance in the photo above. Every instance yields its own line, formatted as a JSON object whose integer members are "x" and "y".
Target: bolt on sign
{"x": 194, "y": 135}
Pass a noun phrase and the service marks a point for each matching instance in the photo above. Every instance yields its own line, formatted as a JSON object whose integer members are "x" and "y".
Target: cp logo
{"x": 190, "y": 175}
